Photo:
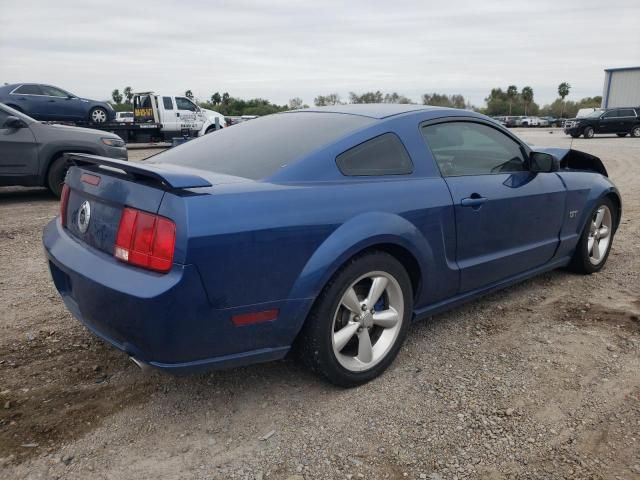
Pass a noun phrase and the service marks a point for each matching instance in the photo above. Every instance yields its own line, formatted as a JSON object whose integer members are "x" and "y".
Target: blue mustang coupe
{"x": 48, "y": 103}
{"x": 325, "y": 231}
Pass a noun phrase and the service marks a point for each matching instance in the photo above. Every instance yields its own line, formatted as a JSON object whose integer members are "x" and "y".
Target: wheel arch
{"x": 51, "y": 157}
{"x": 617, "y": 202}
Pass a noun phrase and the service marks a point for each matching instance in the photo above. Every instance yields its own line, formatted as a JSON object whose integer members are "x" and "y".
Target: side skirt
{"x": 452, "y": 302}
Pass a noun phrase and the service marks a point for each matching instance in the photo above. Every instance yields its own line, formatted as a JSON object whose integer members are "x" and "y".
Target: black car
{"x": 621, "y": 121}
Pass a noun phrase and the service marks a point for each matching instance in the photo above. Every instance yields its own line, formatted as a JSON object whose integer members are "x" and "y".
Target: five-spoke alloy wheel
{"x": 359, "y": 321}
{"x": 594, "y": 245}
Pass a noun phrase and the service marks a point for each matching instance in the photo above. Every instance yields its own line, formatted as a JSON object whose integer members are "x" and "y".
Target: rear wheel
{"x": 635, "y": 131}
{"x": 56, "y": 175}
{"x": 360, "y": 320}
{"x": 594, "y": 246}
{"x": 98, "y": 115}
{"x": 588, "y": 132}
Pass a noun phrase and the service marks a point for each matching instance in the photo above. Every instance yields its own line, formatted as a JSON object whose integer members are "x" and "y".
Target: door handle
{"x": 474, "y": 201}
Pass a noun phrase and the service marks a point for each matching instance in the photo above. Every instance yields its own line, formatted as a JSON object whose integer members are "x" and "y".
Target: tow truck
{"x": 160, "y": 118}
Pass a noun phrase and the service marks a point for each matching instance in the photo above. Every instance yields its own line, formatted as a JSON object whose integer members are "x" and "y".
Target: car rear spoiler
{"x": 167, "y": 179}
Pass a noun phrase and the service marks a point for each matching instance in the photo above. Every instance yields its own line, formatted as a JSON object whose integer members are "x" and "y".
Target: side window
{"x": 168, "y": 103}
{"x": 626, "y": 112}
{"x": 611, "y": 114}
{"x": 185, "y": 104}
{"x": 382, "y": 155}
{"x": 28, "y": 90}
{"x": 467, "y": 148}
{"x": 53, "y": 91}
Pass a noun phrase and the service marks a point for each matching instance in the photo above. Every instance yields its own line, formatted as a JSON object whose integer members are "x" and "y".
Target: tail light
{"x": 145, "y": 240}
{"x": 64, "y": 201}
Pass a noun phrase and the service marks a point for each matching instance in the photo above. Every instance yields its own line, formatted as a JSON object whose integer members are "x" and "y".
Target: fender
{"x": 355, "y": 235}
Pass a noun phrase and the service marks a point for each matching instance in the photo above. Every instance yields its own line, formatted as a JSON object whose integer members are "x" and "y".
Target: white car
{"x": 530, "y": 122}
{"x": 124, "y": 117}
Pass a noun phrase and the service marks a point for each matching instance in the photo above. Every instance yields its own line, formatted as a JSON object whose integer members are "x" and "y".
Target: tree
{"x": 216, "y": 98}
{"x": 189, "y": 94}
{"x": 367, "y": 97}
{"x": 225, "y": 98}
{"x": 512, "y": 92}
{"x": 324, "y": 100}
{"x": 295, "y": 103}
{"x": 444, "y": 100}
{"x": 527, "y": 98}
{"x": 117, "y": 96}
{"x": 128, "y": 95}
{"x": 563, "y": 91}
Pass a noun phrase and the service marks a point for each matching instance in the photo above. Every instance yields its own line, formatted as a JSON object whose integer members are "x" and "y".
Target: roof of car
{"x": 373, "y": 110}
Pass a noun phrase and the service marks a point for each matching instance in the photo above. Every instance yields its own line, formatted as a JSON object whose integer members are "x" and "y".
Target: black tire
{"x": 98, "y": 115}
{"x": 588, "y": 132}
{"x": 211, "y": 129}
{"x": 56, "y": 175}
{"x": 314, "y": 345}
{"x": 635, "y": 131}
{"x": 575, "y": 135}
{"x": 580, "y": 262}
{"x": 621, "y": 134}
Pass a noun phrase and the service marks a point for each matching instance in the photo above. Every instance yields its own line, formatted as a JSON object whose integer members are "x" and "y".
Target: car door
{"x": 18, "y": 150}
{"x": 170, "y": 115}
{"x": 29, "y": 99}
{"x": 61, "y": 105}
{"x": 627, "y": 119}
{"x": 508, "y": 219}
{"x": 608, "y": 122}
{"x": 187, "y": 114}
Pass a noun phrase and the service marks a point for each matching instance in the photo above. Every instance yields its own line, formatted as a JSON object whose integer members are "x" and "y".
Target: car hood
{"x": 83, "y": 131}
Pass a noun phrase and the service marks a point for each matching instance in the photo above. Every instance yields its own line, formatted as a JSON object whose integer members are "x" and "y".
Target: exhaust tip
{"x": 140, "y": 364}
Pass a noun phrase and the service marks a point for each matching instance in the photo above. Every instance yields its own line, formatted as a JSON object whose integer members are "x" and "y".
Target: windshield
{"x": 259, "y": 148}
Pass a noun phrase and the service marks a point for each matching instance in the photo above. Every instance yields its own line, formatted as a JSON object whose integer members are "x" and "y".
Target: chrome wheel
{"x": 368, "y": 320}
{"x": 98, "y": 116}
{"x": 599, "y": 237}
{"x": 635, "y": 132}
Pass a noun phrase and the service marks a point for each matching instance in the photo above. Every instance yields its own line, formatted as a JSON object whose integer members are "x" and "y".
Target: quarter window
{"x": 185, "y": 104}
{"x": 626, "y": 112}
{"x": 467, "y": 148}
{"x": 28, "y": 90}
{"x": 383, "y": 155}
{"x": 168, "y": 103}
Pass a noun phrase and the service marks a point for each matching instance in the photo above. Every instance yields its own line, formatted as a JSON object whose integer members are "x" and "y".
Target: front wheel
{"x": 98, "y": 115}
{"x": 635, "y": 131}
{"x": 360, "y": 320}
{"x": 594, "y": 246}
{"x": 588, "y": 132}
{"x": 57, "y": 174}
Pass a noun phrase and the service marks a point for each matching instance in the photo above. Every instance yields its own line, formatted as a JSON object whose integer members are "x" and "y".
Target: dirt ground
{"x": 541, "y": 380}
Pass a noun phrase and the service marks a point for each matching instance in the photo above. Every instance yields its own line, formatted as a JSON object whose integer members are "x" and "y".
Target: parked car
{"x": 32, "y": 153}
{"x": 621, "y": 121}
{"x": 124, "y": 117}
{"x": 49, "y": 103}
{"x": 585, "y": 112}
{"x": 529, "y": 122}
{"x": 326, "y": 231}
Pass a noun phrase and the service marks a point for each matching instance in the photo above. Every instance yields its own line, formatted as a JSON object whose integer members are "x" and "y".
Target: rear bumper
{"x": 163, "y": 320}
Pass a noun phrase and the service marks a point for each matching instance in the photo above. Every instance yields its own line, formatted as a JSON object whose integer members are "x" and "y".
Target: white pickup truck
{"x": 159, "y": 118}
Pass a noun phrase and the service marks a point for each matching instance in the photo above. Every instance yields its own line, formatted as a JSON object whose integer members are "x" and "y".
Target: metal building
{"x": 621, "y": 87}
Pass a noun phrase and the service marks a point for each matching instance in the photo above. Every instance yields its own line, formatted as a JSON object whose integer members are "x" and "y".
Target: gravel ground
{"x": 538, "y": 381}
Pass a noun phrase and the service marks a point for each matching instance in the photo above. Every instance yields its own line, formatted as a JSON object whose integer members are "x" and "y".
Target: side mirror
{"x": 543, "y": 162}
{"x": 14, "y": 123}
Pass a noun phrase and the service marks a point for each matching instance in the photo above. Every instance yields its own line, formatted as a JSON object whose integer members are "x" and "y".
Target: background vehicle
{"x": 529, "y": 122}
{"x": 32, "y": 153}
{"x": 46, "y": 102}
{"x": 621, "y": 121}
{"x": 124, "y": 117}
{"x": 159, "y": 118}
{"x": 400, "y": 212}
{"x": 585, "y": 112}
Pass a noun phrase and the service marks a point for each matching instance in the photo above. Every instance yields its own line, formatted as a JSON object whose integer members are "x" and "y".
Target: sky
{"x": 279, "y": 49}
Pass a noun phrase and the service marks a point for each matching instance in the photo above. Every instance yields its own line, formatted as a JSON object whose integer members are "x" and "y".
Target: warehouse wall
{"x": 621, "y": 88}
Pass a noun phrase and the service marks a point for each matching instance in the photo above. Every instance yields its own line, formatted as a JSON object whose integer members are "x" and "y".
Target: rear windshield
{"x": 258, "y": 148}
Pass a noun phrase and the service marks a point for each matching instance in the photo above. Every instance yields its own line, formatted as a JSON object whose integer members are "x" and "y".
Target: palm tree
{"x": 512, "y": 92}
{"x": 128, "y": 94}
{"x": 563, "y": 91}
{"x": 527, "y": 97}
